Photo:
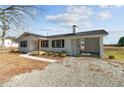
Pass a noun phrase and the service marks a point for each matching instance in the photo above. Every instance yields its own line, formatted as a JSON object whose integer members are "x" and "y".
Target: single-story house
{"x": 73, "y": 43}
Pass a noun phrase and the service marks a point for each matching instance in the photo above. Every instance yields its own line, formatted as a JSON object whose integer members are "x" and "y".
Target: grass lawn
{"x": 117, "y": 52}
{"x": 11, "y": 64}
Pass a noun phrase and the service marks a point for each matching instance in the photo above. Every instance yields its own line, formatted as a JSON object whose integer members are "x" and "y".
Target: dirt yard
{"x": 74, "y": 72}
{"x": 11, "y": 64}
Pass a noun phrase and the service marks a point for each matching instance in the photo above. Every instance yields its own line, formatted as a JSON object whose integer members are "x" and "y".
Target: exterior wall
{"x": 67, "y": 46}
{"x": 92, "y": 45}
{"x": 30, "y": 44}
{"x": 72, "y": 44}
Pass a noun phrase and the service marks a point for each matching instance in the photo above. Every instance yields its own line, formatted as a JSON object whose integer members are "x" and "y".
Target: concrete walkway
{"x": 38, "y": 58}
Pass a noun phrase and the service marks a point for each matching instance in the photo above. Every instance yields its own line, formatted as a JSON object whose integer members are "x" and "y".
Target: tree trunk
{"x": 3, "y": 39}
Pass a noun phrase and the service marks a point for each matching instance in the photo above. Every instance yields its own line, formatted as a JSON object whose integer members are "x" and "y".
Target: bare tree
{"x": 14, "y": 17}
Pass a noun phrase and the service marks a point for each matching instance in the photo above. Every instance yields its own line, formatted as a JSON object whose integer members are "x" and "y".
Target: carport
{"x": 89, "y": 46}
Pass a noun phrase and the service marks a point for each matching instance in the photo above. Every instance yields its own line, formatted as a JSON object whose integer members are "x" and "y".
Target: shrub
{"x": 111, "y": 57}
{"x": 78, "y": 55}
{"x": 63, "y": 52}
{"x": 41, "y": 53}
{"x": 35, "y": 53}
{"x": 63, "y": 55}
{"x": 50, "y": 53}
{"x": 56, "y": 54}
{"x": 44, "y": 53}
{"x": 13, "y": 51}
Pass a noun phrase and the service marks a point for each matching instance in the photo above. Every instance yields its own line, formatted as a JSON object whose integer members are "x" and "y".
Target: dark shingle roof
{"x": 32, "y": 34}
{"x": 36, "y": 35}
{"x": 94, "y": 32}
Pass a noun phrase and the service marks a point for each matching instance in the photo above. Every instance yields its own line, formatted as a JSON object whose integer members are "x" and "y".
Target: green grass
{"x": 117, "y": 52}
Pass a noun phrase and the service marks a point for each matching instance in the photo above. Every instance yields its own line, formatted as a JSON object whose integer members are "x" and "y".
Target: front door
{"x": 75, "y": 46}
{"x": 34, "y": 45}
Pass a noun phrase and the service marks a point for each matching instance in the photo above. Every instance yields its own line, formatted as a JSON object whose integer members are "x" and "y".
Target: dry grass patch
{"x": 114, "y": 53}
{"x": 11, "y": 64}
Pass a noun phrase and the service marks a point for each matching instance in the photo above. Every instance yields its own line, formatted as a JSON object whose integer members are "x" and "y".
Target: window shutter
{"x": 52, "y": 43}
{"x": 63, "y": 43}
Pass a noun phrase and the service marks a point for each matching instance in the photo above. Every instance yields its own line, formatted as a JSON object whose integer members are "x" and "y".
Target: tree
{"x": 121, "y": 41}
{"x": 14, "y": 16}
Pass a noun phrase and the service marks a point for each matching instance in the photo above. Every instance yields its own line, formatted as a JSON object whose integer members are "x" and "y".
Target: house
{"x": 90, "y": 42}
{"x": 9, "y": 42}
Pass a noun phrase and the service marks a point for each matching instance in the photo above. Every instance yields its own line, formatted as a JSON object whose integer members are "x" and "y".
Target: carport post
{"x": 101, "y": 47}
{"x": 39, "y": 46}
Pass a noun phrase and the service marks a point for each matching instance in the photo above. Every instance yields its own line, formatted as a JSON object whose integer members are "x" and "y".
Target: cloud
{"x": 103, "y": 6}
{"x": 111, "y": 6}
{"x": 48, "y": 29}
{"x": 62, "y": 18}
{"x": 88, "y": 24}
{"x": 73, "y": 15}
{"x": 34, "y": 13}
{"x": 118, "y": 6}
{"x": 104, "y": 15}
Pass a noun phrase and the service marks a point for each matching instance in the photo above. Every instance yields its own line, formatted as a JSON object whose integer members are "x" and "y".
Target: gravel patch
{"x": 74, "y": 72}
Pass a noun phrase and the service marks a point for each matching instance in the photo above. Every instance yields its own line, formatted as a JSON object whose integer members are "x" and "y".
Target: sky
{"x": 58, "y": 19}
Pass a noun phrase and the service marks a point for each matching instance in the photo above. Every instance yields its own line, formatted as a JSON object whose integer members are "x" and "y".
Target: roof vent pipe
{"x": 75, "y": 29}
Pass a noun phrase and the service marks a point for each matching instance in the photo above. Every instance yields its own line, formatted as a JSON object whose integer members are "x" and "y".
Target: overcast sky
{"x": 59, "y": 20}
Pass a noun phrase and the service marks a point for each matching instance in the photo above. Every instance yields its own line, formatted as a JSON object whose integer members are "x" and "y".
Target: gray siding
{"x": 30, "y": 44}
{"x": 67, "y": 46}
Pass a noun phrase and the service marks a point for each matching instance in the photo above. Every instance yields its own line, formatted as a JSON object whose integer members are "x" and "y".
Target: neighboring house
{"x": 74, "y": 43}
{"x": 9, "y": 43}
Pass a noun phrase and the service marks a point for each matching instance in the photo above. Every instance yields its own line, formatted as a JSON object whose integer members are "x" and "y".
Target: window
{"x": 58, "y": 43}
{"x": 45, "y": 43}
{"x": 23, "y": 43}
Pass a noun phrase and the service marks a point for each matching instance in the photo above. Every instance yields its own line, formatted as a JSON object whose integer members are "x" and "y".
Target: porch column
{"x": 39, "y": 46}
{"x": 101, "y": 46}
